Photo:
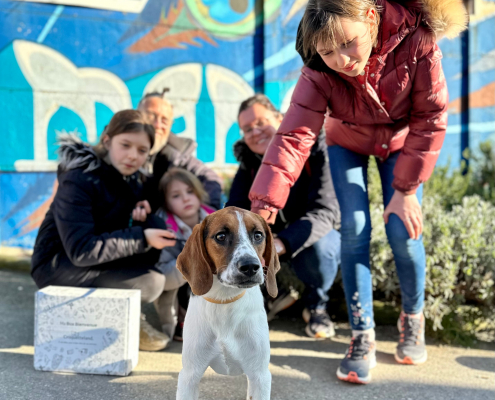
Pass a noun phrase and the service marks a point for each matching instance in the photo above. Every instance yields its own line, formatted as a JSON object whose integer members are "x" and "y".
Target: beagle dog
{"x": 225, "y": 260}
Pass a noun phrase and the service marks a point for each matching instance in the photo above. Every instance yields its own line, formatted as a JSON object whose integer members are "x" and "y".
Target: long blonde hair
{"x": 321, "y": 22}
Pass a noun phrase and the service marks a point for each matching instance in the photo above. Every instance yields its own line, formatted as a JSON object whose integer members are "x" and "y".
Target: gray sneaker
{"x": 358, "y": 360}
{"x": 319, "y": 325}
{"x": 149, "y": 338}
{"x": 411, "y": 349}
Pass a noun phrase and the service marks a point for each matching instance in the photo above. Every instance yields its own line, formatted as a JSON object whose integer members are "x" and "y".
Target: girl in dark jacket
{"x": 375, "y": 66}
{"x": 89, "y": 237}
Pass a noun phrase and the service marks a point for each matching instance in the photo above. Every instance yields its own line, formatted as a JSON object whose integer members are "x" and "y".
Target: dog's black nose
{"x": 249, "y": 266}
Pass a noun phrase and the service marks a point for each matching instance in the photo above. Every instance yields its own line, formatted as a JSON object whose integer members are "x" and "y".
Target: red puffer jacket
{"x": 398, "y": 104}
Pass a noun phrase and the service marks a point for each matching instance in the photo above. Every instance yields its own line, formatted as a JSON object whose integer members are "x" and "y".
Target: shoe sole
{"x": 409, "y": 361}
{"x": 319, "y": 335}
{"x": 153, "y": 348}
{"x": 352, "y": 377}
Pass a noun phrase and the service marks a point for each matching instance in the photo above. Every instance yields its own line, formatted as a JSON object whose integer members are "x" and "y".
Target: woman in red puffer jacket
{"x": 374, "y": 68}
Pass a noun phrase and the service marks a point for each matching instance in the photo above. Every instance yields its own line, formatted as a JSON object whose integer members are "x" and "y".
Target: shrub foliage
{"x": 459, "y": 237}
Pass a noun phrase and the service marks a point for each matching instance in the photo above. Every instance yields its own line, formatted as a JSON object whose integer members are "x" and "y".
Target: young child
{"x": 89, "y": 237}
{"x": 183, "y": 209}
{"x": 376, "y": 67}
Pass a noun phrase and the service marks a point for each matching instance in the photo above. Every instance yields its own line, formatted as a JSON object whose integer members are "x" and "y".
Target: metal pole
{"x": 465, "y": 101}
{"x": 259, "y": 47}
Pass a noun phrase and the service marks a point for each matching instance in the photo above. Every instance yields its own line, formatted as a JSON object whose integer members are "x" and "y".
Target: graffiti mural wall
{"x": 68, "y": 69}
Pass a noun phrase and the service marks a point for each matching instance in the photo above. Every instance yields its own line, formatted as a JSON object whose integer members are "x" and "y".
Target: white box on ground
{"x": 86, "y": 330}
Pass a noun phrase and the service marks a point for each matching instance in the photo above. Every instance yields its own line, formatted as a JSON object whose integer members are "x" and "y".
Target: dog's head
{"x": 236, "y": 245}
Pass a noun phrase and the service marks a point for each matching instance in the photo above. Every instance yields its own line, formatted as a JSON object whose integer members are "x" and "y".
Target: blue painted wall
{"x": 70, "y": 68}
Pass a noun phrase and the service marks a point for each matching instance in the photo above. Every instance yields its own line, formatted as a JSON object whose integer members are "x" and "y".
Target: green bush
{"x": 483, "y": 173}
{"x": 452, "y": 186}
{"x": 459, "y": 237}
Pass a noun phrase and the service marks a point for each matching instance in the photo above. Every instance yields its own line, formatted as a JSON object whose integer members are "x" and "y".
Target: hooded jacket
{"x": 87, "y": 225}
{"x": 398, "y": 104}
{"x": 178, "y": 152}
{"x": 312, "y": 209}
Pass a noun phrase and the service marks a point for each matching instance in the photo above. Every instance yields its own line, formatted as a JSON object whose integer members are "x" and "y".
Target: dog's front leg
{"x": 196, "y": 357}
{"x": 197, "y": 353}
{"x": 259, "y": 385}
{"x": 188, "y": 385}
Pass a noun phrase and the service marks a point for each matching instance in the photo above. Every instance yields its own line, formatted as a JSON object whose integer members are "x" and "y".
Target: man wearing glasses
{"x": 174, "y": 151}
{"x": 170, "y": 151}
{"x": 306, "y": 240}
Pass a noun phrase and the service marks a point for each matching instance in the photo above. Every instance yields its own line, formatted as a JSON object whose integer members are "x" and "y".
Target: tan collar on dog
{"x": 224, "y": 301}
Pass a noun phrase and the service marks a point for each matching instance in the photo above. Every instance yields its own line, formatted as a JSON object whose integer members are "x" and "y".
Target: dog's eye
{"x": 220, "y": 237}
{"x": 258, "y": 236}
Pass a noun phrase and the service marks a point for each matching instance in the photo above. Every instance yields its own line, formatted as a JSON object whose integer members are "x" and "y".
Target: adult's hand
{"x": 408, "y": 209}
{"x": 159, "y": 238}
{"x": 268, "y": 216}
{"x": 141, "y": 211}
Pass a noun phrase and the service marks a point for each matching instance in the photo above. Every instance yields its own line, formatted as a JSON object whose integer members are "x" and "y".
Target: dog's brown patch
{"x": 225, "y": 222}
{"x": 205, "y": 255}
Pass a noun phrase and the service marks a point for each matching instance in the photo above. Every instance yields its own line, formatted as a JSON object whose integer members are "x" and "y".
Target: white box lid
{"x": 67, "y": 291}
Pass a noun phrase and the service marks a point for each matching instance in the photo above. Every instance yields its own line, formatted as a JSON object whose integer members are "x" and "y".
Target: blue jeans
{"x": 350, "y": 179}
{"x": 317, "y": 266}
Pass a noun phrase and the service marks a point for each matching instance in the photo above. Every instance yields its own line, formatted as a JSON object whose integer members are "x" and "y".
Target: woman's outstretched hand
{"x": 141, "y": 211}
{"x": 159, "y": 238}
{"x": 408, "y": 209}
{"x": 268, "y": 216}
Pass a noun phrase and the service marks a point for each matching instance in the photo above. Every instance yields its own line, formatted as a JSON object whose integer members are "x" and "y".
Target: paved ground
{"x": 302, "y": 368}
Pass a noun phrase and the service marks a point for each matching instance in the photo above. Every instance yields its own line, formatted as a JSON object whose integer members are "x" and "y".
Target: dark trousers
{"x": 136, "y": 272}
{"x": 150, "y": 281}
{"x": 317, "y": 267}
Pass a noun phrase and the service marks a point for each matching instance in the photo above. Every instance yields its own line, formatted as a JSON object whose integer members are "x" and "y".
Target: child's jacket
{"x": 398, "y": 104}
{"x": 168, "y": 256}
{"x": 87, "y": 225}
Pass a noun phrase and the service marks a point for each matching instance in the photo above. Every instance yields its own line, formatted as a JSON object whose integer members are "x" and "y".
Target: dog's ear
{"x": 194, "y": 262}
{"x": 272, "y": 264}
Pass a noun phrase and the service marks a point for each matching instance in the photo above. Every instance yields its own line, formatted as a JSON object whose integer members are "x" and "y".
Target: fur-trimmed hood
{"x": 74, "y": 153}
{"x": 244, "y": 155}
{"x": 400, "y": 18}
{"x": 444, "y": 17}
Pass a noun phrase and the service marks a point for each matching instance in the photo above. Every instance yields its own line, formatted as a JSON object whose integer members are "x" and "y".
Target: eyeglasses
{"x": 152, "y": 117}
{"x": 258, "y": 124}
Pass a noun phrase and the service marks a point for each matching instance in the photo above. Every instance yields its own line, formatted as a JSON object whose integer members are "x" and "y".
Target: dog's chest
{"x": 227, "y": 359}
{"x": 239, "y": 334}
{"x": 232, "y": 331}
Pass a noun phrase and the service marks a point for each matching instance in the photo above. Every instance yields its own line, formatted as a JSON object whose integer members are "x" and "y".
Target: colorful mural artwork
{"x": 134, "y": 6}
{"x": 68, "y": 69}
{"x": 189, "y": 20}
